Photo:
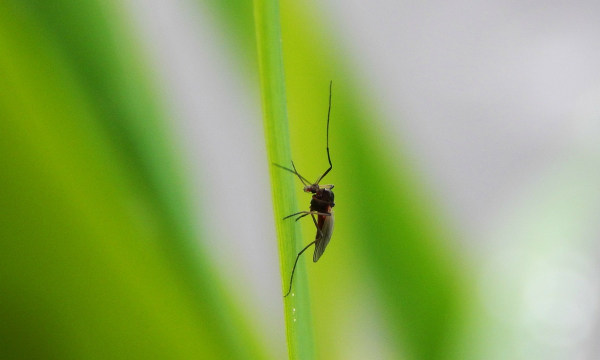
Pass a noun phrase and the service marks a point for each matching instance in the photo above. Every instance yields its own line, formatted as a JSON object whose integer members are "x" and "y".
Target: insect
{"x": 321, "y": 205}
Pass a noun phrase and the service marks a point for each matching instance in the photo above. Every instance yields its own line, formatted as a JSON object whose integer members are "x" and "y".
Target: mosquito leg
{"x": 328, "y": 157}
{"x": 307, "y": 213}
{"x": 314, "y": 220}
{"x": 301, "y": 216}
{"x": 305, "y": 182}
{"x": 302, "y": 178}
{"x": 296, "y": 263}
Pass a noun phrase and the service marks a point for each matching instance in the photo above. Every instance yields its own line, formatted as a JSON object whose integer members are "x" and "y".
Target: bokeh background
{"x": 136, "y": 212}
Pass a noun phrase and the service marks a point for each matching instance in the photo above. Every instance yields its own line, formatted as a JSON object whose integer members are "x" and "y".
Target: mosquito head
{"x": 311, "y": 188}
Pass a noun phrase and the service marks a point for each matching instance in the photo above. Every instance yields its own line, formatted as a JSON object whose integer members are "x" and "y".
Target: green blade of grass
{"x": 296, "y": 305}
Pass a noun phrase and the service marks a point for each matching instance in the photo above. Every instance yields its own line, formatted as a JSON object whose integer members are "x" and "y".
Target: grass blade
{"x": 296, "y": 305}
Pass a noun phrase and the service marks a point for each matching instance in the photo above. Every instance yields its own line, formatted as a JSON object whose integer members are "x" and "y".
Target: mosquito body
{"x": 321, "y": 207}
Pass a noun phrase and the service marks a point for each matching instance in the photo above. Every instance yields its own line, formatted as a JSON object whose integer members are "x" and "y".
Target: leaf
{"x": 297, "y": 305}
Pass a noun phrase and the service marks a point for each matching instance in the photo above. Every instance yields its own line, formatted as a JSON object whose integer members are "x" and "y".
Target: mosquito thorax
{"x": 327, "y": 195}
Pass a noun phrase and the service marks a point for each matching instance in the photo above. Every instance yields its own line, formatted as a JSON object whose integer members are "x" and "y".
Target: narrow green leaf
{"x": 297, "y": 306}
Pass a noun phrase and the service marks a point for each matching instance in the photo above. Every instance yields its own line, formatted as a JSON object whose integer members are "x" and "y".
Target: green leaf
{"x": 297, "y": 306}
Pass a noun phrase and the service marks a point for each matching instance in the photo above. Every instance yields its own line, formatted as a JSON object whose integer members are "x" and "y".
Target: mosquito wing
{"x": 327, "y": 230}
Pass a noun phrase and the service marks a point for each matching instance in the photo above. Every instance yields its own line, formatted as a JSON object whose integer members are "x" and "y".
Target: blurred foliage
{"x": 390, "y": 239}
{"x": 399, "y": 239}
{"x": 97, "y": 257}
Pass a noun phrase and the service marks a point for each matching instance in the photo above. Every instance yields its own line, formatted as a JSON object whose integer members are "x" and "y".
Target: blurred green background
{"x": 135, "y": 206}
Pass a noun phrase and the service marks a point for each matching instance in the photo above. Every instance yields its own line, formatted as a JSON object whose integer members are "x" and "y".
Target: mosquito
{"x": 321, "y": 207}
